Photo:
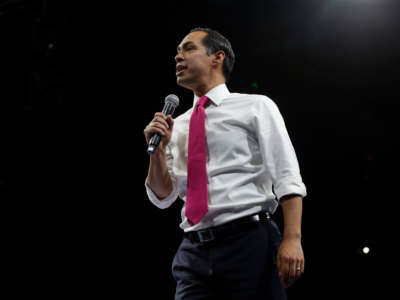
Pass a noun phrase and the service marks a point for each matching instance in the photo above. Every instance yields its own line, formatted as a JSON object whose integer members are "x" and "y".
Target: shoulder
{"x": 256, "y": 101}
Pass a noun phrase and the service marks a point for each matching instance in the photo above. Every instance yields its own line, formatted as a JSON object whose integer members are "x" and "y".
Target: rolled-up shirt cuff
{"x": 290, "y": 186}
{"x": 164, "y": 203}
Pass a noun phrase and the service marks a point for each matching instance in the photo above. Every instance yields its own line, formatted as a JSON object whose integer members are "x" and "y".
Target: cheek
{"x": 198, "y": 60}
{"x": 199, "y": 65}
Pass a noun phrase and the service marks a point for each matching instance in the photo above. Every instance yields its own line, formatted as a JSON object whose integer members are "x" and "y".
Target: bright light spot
{"x": 365, "y": 250}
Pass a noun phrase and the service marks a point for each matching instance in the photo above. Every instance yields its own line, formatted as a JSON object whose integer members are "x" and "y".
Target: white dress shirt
{"x": 248, "y": 152}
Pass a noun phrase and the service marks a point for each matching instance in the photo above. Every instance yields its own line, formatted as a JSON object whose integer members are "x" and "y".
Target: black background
{"x": 89, "y": 75}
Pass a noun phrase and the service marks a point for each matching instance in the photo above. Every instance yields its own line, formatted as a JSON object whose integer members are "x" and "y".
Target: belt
{"x": 226, "y": 230}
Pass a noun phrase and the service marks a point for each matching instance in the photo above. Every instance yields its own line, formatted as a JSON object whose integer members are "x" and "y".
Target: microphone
{"x": 171, "y": 102}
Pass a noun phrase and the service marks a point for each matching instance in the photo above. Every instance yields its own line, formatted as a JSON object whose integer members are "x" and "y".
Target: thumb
{"x": 170, "y": 122}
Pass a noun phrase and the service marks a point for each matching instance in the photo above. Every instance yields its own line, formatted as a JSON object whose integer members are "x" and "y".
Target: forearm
{"x": 292, "y": 207}
{"x": 158, "y": 177}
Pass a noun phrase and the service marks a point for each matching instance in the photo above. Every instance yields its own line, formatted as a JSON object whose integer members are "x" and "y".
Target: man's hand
{"x": 162, "y": 125}
{"x": 290, "y": 261}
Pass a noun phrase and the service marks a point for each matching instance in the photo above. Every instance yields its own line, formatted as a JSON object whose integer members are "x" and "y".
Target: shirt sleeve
{"x": 171, "y": 198}
{"x": 277, "y": 150}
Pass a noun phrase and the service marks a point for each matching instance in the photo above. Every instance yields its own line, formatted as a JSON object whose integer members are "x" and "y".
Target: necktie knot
{"x": 203, "y": 101}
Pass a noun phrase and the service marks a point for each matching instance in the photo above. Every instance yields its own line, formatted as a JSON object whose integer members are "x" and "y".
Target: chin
{"x": 182, "y": 83}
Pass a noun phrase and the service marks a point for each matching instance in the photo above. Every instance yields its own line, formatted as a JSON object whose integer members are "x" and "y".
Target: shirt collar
{"x": 216, "y": 95}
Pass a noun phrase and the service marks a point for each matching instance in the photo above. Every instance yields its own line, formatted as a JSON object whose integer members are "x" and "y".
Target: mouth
{"x": 180, "y": 69}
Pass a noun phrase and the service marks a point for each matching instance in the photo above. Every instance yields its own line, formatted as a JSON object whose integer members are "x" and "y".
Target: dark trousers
{"x": 240, "y": 266}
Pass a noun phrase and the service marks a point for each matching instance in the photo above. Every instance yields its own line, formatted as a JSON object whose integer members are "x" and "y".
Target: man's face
{"x": 193, "y": 65}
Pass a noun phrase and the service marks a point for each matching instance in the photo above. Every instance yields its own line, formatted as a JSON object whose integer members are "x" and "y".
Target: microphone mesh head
{"x": 173, "y": 99}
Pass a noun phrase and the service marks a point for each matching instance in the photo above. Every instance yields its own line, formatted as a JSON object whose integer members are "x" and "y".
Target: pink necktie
{"x": 196, "y": 192}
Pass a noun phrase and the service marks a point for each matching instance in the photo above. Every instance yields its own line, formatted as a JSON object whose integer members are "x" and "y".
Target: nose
{"x": 178, "y": 57}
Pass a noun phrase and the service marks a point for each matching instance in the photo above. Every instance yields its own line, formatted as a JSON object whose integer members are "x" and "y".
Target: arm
{"x": 281, "y": 162}
{"x": 290, "y": 254}
{"x": 292, "y": 206}
{"x": 158, "y": 178}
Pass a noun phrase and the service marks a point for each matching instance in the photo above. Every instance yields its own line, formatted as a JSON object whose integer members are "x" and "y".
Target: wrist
{"x": 292, "y": 236}
{"x": 159, "y": 154}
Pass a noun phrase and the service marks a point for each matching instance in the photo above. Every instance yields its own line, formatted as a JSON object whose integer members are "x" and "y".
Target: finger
{"x": 298, "y": 270}
{"x": 292, "y": 271}
{"x": 159, "y": 128}
{"x": 284, "y": 271}
{"x": 281, "y": 266}
{"x": 160, "y": 115}
{"x": 155, "y": 127}
{"x": 278, "y": 265}
{"x": 161, "y": 120}
{"x": 285, "y": 281}
{"x": 170, "y": 121}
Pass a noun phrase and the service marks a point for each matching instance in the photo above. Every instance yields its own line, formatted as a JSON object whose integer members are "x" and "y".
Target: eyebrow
{"x": 185, "y": 45}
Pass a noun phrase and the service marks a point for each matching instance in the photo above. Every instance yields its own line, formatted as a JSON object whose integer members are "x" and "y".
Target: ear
{"x": 219, "y": 57}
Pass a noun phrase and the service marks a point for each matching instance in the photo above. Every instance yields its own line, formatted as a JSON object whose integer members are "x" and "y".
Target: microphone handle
{"x": 168, "y": 109}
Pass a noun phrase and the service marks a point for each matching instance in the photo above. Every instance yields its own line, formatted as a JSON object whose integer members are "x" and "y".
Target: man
{"x": 231, "y": 247}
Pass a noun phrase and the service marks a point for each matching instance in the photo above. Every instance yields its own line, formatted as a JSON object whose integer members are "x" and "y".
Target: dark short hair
{"x": 214, "y": 41}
